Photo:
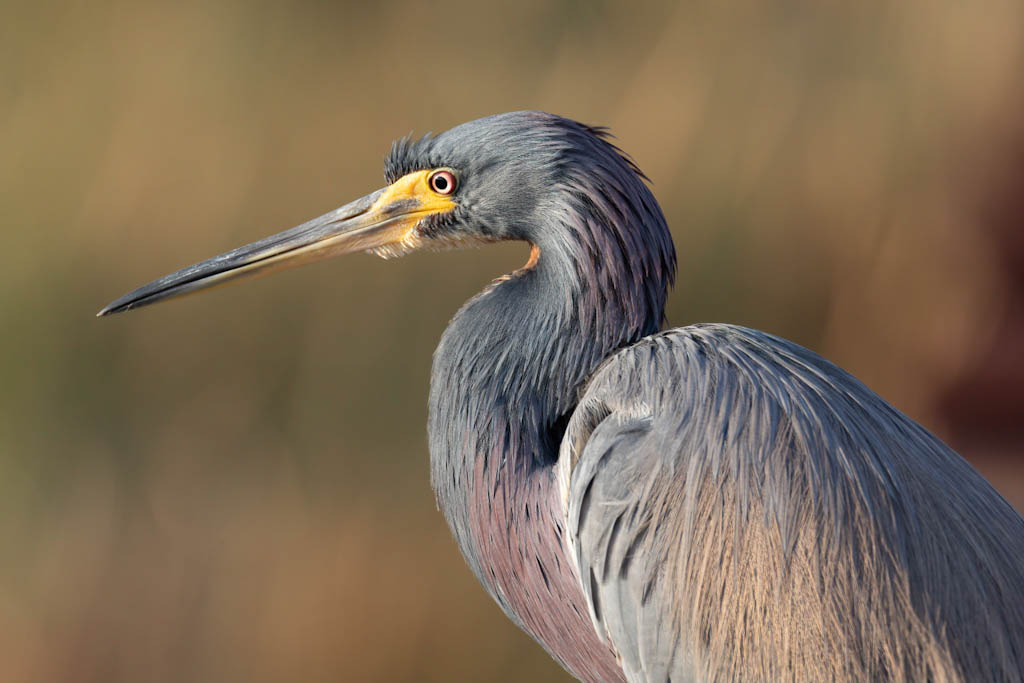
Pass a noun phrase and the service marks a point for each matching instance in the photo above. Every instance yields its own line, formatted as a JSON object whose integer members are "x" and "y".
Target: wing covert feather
{"x": 741, "y": 509}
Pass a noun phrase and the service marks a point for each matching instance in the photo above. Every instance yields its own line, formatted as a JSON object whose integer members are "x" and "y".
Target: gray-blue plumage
{"x": 709, "y": 503}
{"x": 734, "y": 506}
{"x": 743, "y": 510}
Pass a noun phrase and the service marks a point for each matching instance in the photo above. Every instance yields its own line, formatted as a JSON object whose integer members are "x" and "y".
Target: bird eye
{"x": 442, "y": 182}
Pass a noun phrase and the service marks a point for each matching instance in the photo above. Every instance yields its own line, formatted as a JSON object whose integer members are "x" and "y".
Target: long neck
{"x": 506, "y": 377}
{"x": 508, "y": 370}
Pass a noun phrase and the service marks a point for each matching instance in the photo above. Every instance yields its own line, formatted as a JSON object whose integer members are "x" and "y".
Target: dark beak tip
{"x": 112, "y": 309}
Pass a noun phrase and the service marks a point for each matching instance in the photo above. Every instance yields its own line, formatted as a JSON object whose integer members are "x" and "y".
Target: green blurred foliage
{"x": 234, "y": 487}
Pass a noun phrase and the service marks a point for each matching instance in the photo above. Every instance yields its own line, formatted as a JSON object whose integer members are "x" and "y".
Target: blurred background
{"x": 235, "y": 487}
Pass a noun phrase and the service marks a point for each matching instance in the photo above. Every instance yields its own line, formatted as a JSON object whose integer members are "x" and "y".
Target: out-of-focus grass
{"x": 234, "y": 487}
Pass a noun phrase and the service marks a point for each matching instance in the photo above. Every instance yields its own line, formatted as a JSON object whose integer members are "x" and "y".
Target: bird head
{"x": 493, "y": 179}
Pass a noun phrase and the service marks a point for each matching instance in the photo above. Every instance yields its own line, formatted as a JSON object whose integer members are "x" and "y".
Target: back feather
{"x": 741, "y": 509}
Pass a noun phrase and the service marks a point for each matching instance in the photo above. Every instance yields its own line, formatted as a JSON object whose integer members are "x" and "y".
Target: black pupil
{"x": 440, "y": 183}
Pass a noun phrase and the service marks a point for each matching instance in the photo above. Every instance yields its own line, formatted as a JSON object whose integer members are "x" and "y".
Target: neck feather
{"x": 506, "y": 377}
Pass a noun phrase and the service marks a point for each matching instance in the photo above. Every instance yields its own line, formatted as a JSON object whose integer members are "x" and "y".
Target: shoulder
{"x": 748, "y": 357}
{"x": 718, "y": 378}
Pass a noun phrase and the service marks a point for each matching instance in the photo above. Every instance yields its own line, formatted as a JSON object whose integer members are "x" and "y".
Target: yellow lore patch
{"x": 412, "y": 190}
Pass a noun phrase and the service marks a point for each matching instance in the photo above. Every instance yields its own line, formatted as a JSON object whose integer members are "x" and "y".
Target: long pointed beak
{"x": 384, "y": 220}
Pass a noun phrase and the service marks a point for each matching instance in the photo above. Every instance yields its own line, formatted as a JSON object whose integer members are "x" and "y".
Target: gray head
{"x": 528, "y": 176}
{"x": 514, "y": 169}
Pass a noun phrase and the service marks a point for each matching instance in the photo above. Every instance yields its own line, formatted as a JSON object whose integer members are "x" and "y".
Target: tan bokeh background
{"x": 234, "y": 487}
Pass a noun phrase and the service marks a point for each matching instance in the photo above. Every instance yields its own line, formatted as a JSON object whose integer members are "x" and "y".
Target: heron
{"x": 703, "y": 503}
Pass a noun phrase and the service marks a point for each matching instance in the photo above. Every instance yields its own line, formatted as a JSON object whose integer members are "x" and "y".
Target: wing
{"x": 740, "y": 509}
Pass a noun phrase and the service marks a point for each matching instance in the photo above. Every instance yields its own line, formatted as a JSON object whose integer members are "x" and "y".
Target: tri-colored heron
{"x": 706, "y": 503}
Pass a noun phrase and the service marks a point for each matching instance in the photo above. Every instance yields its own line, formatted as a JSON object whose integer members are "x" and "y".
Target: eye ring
{"x": 442, "y": 182}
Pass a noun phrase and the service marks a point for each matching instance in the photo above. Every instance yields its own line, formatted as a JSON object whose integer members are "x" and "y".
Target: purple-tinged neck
{"x": 496, "y": 416}
{"x": 507, "y": 375}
